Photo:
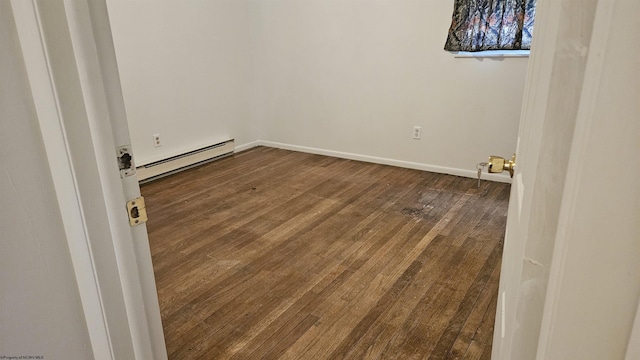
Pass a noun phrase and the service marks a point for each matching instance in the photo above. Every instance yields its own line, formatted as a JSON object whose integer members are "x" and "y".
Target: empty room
{"x": 319, "y": 179}
{"x": 324, "y": 235}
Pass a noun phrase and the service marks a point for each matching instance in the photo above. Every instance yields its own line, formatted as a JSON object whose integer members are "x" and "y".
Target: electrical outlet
{"x": 417, "y": 132}
{"x": 156, "y": 140}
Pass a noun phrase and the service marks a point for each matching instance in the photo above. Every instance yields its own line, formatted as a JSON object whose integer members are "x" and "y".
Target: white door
{"x": 70, "y": 60}
{"x": 568, "y": 287}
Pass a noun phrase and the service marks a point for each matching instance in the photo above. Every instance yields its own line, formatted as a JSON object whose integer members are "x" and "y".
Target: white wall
{"x": 40, "y": 309}
{"x": 186, "y": 69}
{"x": 356, "y": 76}
{"x": 347, "y": 76}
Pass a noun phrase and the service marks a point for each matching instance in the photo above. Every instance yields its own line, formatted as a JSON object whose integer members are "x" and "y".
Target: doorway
{"x": 600, "y": 95}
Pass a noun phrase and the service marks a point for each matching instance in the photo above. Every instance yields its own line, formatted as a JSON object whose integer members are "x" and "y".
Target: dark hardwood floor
{"x": 278, "y": 254}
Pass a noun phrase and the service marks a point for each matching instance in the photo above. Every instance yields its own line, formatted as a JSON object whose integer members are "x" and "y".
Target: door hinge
{"x": 137, "y": 211}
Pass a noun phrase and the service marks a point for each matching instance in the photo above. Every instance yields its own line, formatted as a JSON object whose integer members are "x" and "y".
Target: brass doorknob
{"x": 499, "y": 164}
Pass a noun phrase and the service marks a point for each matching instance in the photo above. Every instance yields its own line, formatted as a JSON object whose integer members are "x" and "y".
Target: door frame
{"x": 577, "y": 273}
{"x": 111, "y": 260}
{"x": 593, "y": 295}
{"x": 70, "y": 61}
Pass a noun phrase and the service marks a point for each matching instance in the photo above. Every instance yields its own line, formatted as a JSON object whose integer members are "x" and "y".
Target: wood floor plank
{"x": 354, "y": 300}
{"x": 371, "y": 344}
{"x": 274, "y": 254}
{"x": 432, "y": 313}
{"x": 475, "y": 319}
{"x": 226, "y": 244}
{"x": 283, "y": 325}
{"x": 442, "y": 348}
{"x": 347, "y": 235}
{"x": 354, "y": 235}
{"x": 272, "y": 259}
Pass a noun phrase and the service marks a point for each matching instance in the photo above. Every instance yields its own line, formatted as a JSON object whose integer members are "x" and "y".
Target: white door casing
{"x": 70, "y": 61}
{"x": 563, "y": 83}
{"x": 99, "y": 52}
{"x": 593, "y": 290}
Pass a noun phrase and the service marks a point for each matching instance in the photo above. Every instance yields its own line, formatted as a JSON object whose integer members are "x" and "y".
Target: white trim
{"x": 62, "y": 172}
{"x": 374, "y": 159}
{"x": 105, "y": 129}
{"x": 633, "y": 347}
{"x": 83, "y": 42}
{"x": 386, "y": 161}
{"x": 499, "y": 54}
{"x": 249, "y": 145}
{"x": 134, "y": 254}
{"x": 577, "y": 162}
{"x": 82, "y": 125}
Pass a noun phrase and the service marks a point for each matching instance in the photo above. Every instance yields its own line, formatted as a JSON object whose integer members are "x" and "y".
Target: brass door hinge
{"x": 137, "y": 211}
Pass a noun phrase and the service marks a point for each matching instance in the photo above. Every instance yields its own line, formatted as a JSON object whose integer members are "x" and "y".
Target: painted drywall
{"x": 185, "y": 68}
{"x": 356, "y": 76}
{"x": 40, "y": 309}
{"x": 339, "y": 76}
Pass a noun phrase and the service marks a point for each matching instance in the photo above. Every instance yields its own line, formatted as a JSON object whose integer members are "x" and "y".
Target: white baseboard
{"x": 249, "y": 145}
{"x": 378, "y": 160}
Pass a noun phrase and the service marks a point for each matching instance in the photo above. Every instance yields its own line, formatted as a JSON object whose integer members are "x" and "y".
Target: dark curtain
{"x": 479, "y": 25}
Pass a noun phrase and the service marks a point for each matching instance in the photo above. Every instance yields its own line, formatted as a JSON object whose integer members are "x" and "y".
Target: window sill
{"x": 492, "y": 54}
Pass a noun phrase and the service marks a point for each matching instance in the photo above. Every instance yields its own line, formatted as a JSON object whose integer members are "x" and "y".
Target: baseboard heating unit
{"x": 174, "y": 164}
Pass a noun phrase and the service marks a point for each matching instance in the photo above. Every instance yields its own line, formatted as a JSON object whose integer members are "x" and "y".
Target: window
{"x": 480, "y": 25}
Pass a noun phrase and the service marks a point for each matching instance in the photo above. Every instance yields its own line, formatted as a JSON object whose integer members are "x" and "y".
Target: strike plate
{"x": 125, "y": 161}
{"x": 137, "y": 211}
